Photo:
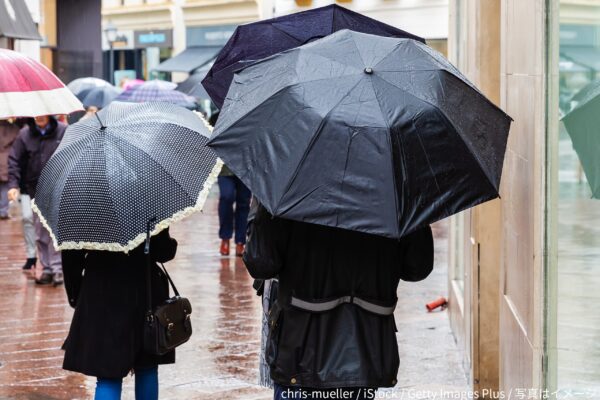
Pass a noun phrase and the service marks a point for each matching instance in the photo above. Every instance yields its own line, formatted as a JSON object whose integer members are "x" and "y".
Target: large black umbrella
{"x": 257, "y": 40}
{"x": 111, "y": 174}
{"x": 362, "y": 132}
{"x": 583, "y": 125}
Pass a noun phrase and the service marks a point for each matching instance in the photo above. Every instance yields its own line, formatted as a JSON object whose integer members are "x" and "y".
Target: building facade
{"x": 150, "y": 32}
{"x": 525, "y": 268}
{"x": 208, "y": 24}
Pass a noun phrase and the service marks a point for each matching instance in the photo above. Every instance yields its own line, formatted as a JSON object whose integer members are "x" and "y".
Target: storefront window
{"x": 573, "y": 323}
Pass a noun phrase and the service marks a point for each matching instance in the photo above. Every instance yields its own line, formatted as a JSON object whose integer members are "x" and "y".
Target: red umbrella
{"x": 29, "y": 89}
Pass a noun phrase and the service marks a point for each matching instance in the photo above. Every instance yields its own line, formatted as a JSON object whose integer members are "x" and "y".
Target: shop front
{"x": 137, "y": 54}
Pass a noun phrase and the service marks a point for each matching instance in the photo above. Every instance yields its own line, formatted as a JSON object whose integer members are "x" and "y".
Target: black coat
{"x": 105, "y": 338}
{"x": 30, "y": 152}
{"x": 347, "y": 346}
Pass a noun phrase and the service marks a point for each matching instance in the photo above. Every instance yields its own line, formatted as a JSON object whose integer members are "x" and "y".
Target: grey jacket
{"x": 30, "y": 152}
{"x": 8, "y": 134}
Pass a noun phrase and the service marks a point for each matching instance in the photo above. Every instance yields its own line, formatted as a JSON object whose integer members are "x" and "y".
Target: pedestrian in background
{"x": 108, "y": 291}
{"x": 32, "y": 148}
{"x": 232, "y": 191}
{"x": 8, "y": 134}
{"x": 25, "y": 205}
{"x": 332, "y": 326}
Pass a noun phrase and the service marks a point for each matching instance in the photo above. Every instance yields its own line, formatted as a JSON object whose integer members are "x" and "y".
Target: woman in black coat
{"x": 108, "y": 292}
{"x": 332, "y": 325}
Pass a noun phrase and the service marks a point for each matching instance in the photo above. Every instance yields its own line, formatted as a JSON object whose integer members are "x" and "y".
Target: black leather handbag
{"x": 169, "y": 324}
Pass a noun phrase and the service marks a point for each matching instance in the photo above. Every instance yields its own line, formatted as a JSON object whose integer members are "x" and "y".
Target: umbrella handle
{"x": 147, "y": 246}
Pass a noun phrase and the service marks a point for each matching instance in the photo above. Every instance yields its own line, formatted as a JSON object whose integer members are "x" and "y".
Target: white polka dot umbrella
{"x": 112, "y": 174}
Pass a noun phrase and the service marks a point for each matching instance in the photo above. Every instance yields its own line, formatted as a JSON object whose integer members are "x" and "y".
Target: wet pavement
{"x": 221, "y": 360}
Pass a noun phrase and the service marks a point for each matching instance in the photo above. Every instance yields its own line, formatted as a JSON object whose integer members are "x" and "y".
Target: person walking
{"x": 232, "y": 190}
{"x": 332, "y": 328}
{"x": 32, "y": 148}
{"x": 8, "y": 134}
{"x": 108, "y": 292}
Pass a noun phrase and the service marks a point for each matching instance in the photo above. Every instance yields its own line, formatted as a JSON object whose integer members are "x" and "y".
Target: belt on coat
{"x": 323, "y": 306}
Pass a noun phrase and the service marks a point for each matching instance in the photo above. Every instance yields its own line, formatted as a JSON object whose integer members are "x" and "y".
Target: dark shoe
{"x": 45, "y": 279}
{"x": 239, "y": 249}
{"x": 57, "y": 279}
{"x": 30, "y": 263}
{"x": 224, "y": 250}
{"x": 4, "y": 217}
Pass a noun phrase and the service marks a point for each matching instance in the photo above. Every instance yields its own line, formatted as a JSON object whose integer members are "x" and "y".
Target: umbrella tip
{"x": 102, "y": 126}
{"x": 369, "y": 71}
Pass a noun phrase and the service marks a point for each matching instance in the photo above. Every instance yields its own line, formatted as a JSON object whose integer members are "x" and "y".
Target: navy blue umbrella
{"x": 255, "y": 41}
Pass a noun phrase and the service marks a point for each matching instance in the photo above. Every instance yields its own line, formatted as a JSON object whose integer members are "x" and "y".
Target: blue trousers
{"x": 291, "y": 393}
{"x": 146, "y": 386}
{"x": 233, "y": 190}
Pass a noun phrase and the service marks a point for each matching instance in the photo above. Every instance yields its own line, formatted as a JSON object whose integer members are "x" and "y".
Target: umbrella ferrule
{"x": 369, "y": 71}
{"x": 102, "y": 127}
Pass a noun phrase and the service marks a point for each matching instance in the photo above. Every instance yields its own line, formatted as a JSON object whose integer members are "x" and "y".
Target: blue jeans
{"x": 146, "y": 386}
{"x": 233, "y": 190}
{"x": 291, "y": 393}
{"x": 3, "y": 199}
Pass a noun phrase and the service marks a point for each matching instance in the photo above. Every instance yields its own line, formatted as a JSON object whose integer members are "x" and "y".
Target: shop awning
{"x": 189, "y": 60}
{"x": 16, "y": 21}
{"x": 587, "y": 58}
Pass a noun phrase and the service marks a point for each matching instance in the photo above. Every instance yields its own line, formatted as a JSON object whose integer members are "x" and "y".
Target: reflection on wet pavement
{"x": 221, "y": 359}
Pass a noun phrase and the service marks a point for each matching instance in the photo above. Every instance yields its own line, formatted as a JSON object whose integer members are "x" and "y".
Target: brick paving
{"x": 221, "y": 359}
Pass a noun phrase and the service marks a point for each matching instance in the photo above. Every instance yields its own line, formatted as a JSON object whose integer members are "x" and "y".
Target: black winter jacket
{"x": 30, "y": 152}
{"x": 347, "y": 346}
{"x": 105, "y": 338}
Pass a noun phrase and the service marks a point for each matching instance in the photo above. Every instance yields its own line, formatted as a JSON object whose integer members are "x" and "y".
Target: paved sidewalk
{"x": 221, "y": 360}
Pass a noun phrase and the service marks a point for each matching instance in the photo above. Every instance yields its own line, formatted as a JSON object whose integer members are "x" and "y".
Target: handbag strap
{"x": 149, "y": 272}
{"x": 170, "y": 280}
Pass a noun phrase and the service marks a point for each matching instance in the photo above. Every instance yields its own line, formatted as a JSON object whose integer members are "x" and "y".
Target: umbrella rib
{"x": 485, "y": 172}
{"x": 463, "y": 79}
{"x": 93, "y": 136}
{"x": 316, "y": 135}
{"x": 396, "y": 201}
{"x": 157, "y": 163}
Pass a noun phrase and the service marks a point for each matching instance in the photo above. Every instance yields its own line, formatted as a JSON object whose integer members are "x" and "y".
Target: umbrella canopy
{"x": 158, "y": 84}
{"x": 362, "y": 132}
{"x": 583, "y": 125}
{"x": 140, "y": 94}
{"x": 132, "y": 83}
{"x": 29, "y": 89}
{"x": 80, "y": 87}
{"x": 261, "y": 39}
{"x": 111, "y": 174}
{"x": 100, "y": 97}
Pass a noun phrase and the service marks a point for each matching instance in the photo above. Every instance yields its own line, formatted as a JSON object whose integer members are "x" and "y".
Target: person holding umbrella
{"x": 364, "y": 142}
{"x": 30, "y": 89}
{"x": 30, "y": 152}
{"x": 345, "y": 284}
{"x": 108, "y": 197}
{"x": 109, "y": 348}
